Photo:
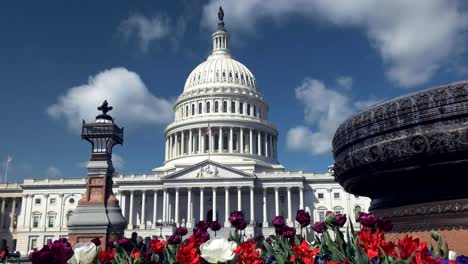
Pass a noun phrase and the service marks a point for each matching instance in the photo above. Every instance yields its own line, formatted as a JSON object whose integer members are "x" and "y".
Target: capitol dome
{"x": 221, "y": 116}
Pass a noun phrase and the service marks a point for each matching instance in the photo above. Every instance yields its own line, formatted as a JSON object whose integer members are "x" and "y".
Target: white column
{"x": 176, "y": 220}
{"x": 220, "y": 140}
{"x": 276, "y": 202}
{"x": 226, "y": 207}
{"x": 190, "y": 147}
{"x": 301, "y": 197}
{"x": 200, "y": 144}
{"x": 241, "y": 148}
{"x": 202, "y": 210}
{"x": 155, "y": 209}
{"x": 171, "y": 150}
{"x": 214, "y": 205}
{"x": 189, "y": 208}
{"x": 252, "y": 214}
{"x": 143, "y": 209}
{"x": 130, "y": 212}
{"x": 265, "y": 215}
{"x": 182, "y": 142}
{"x": 165, "y": 152}
{"x": 122, "y": 204}
{"x": 231, "y": 140}
{"x": 2, "y": 213}
{"x": 259, "y": 143}
{"x": 29, "y": 211}
{"x": 266, "y": 145}
{"x": 60, "y": 213}
{"x": 210, "y": 141}
{"x": 44, "y": 223}
{"x": 24, "y": 200}
{"x": 289, "y": 205}
{"x": 251, "y": 142}
{"x": 239, "y": 198}
{"x": 13, "y": 214}
{"x": 176, "y": 152}
{"x": 164, "y": 205}
{"x": 270, "y": 147}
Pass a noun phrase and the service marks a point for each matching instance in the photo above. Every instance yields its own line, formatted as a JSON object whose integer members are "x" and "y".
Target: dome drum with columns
{"x": 220, "y": 155}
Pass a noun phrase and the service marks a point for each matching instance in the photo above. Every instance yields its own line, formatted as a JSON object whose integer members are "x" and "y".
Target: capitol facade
{"x": 220, "y": 155}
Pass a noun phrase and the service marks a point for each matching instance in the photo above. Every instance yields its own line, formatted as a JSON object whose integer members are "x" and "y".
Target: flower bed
{"x": 330, "y": 245}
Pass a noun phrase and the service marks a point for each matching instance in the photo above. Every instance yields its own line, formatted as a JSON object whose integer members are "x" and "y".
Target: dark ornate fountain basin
{"x": 410, "y": 156}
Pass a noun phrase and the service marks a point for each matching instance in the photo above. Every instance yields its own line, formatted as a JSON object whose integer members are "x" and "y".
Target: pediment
{"x": 208, "y": 170}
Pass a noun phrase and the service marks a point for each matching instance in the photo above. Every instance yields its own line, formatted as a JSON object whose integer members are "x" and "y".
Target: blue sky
{"x": 316, "y": 62}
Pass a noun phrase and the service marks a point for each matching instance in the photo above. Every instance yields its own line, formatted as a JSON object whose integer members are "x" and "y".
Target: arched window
{"x": 186, "y": 110}
{"x": 248, "y": 109}
{"x": 216, "y": 107}
{"x": 322, "y": 211}
{"x": 208, "y": 108}
{"x": 193, "y": 109}
{"x": 200, "y": 106}
{"x": 259, "y": 112}
{"x": 233, "y": 107}
{"x": 68, "y": 215}
{"x": 255, "y": 110}
{"x": 357, "y": 210}
{"x": 241, "y": 108}
{"x": 181, "y": 112}
{"x": 224, "y": 106}
{"x": 338, "y": 210}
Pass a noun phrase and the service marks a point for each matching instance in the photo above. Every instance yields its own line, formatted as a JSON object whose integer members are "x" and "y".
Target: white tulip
{"x": 218, "y": 249}
{"x": 452, "y": 255}
{"x": 84, "y": 253}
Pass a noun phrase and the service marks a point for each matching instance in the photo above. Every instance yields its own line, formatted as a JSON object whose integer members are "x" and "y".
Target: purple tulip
{"x": 236, "y": 218}
{"x": 303, "y": 218}
{"x": 202, "y": 234}
{"x": 126, "y": 244}
{"x": 203, "y": 225}
{"x": 384, "y": 224}
{"x": 215, "y": 226}
{"x": 319, "y": 227}
{"x": 96, "y": 241}
{"x": 367, "y": 220}
{"x": 462, "y": 259}
{"x": 278, "y": 221}
{"x": 340, "y": 219}
{"x": 174, "y": 239}
{"x": 328, "y": 213}
{"x": 57, "y": 252}
{"x": 242, "y": 225}
{"x": 279, "y": 230}
{"x": 289, "y": 232}
{"x": 181, "y": 231}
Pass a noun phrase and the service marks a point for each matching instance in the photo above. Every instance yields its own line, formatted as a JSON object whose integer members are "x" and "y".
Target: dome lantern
{"x": 220, "y": 36}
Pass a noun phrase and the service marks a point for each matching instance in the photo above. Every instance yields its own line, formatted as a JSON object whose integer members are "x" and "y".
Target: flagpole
{"x": 6, "y": 171}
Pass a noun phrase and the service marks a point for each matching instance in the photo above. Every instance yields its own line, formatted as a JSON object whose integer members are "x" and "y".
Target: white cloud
{"x": 414, "y": 38}
{"x": 146, "y": 29}
{"x": 133, "y": 103}
{"x": 118, "y": 161}
{"x": 346, "y": 82}
{"x": 53, "y": 172}
{"x": 324, "y": 110}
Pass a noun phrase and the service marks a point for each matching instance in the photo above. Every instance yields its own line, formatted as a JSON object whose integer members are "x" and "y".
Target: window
{"x": 32, "y": 242}
{"x": 338, "y": 210}
{"x": 69, "y": 214}
{"x": 52, "y": 201}
{"x": 320, "y": 195}
{"x": 48, "y": 239}
{"x": 233, "y": 107}
{"x": 200, "y": 106}
{"x": 208, "y": 108}
{"x": 241, "y": 108}
{"x": 248, "y": 109}
{"x": 193, "y": 109}
{"x": 357, "y": 210}
{"x": 336, "y": 195}
{"x": 216, "y": 107}
{"x": 224, "y": 107}
{"x": 255, "y": 111}
{"x": 37, "y": 201}
{"x": 36, "y": 220}
{"x": 186, "y": 110}
{"x": 51, "y": 221}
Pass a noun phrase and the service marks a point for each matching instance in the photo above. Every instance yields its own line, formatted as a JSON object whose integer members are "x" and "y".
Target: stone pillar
{"x": 226, "y": 207}
{"x": 130, "y": 212}
{"x": 251, "y": 142}
{"x": 220, "y": 140}
{"x": 202, "y": 210}
{"x": 241, "y": 148}
{"x": 289, "y": 206}
{"x": 182, "y": 143}
{"x": 171, "y": 150}
{"x": 123, "y": 204}
{"x": 155, "y": 207}
{"x": 189, "y": 208}
{"x": 164, "y": 205}
{"x": 176, "y": 213}
{"x": 270, "y": 147}
{"x": 166, "y": 156}
{"x": 200, "y": 144}
{"x": 44, "y": 222}
{"x": 29, "y": 211}
{"x": 259, "y": 143}
{"x": 176, "y": 144}
{"x": 265, "y": 215}
{"x": 13, "y": 214}
{"x": 239, "y": 198}
{"x": 143, "y": 210}
{"x": 252, "y": 210}
{"x": 276, "y": 201}
{"x": 190, "y": 147}
{"x": 214, "y": 205}
{"x": 60, "y": 213}
{"x": 266, "y": 145}
{"x": 231, "y": 140}
{"x": 2, "y": 214}
{"x": 24, "y": 200}
{"x": 210, "y": 141}
{"x": 301, "y": 197}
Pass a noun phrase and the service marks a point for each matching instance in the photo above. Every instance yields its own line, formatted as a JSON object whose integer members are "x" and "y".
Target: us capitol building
{"x": 220, "y": 155}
